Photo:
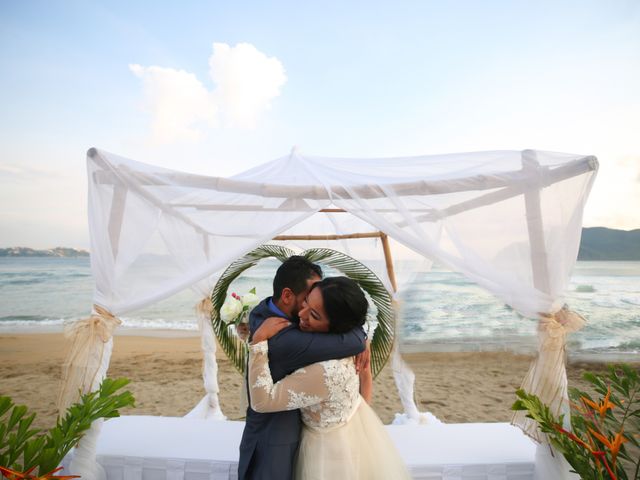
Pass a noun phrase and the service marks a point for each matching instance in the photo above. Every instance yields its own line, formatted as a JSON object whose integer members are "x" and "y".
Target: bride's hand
{"x": 363, "y": 366}
{"x": 269, "y": 328}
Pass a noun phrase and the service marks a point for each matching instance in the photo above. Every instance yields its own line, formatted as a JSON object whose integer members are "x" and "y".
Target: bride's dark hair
{"x": 344, "y": 302}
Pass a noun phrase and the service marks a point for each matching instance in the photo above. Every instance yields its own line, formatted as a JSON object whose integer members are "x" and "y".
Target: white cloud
{"x": 245, "y": 79}
{"x": 178, "y": 102}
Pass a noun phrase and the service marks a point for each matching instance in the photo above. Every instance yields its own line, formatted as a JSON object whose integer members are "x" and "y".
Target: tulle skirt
{"x": 359, "y": 450}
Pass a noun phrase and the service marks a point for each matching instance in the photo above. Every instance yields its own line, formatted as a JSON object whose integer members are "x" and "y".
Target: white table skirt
{"x": 171, "y": 448}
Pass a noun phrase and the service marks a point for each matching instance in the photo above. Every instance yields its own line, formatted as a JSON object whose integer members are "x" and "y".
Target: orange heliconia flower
{"x": 13, "y": 475}
{"x": 613, "y": 445}
{"x": 601, "y": 407}
{"x": 599, "y": 455}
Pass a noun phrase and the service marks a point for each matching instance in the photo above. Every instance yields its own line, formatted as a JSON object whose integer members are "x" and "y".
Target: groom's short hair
{"x": 294, "y": 273}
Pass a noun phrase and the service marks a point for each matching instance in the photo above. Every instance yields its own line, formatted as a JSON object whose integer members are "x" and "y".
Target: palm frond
{"x": 384, "y": 333}
{"x": 233, "y": 346}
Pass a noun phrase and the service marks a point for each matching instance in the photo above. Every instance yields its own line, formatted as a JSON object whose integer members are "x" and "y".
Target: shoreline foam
{"x": 517, "y": 346}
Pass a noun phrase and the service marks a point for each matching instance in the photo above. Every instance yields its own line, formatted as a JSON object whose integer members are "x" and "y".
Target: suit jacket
{"x": 270, "y": 440}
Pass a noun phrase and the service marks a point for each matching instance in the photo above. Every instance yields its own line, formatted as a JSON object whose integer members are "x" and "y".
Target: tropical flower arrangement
{"x": 604, "y": 439}
{"x": 236, "y": 308}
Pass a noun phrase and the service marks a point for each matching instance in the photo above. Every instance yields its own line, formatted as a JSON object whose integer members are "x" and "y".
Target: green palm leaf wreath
{"x": 383, "y": 335}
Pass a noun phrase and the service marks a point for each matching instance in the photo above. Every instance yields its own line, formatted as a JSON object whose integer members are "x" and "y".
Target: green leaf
{"x": 110, "y": 386}
{"x": 5, "y": 405}
{"x": 49, "y": 460}
{"x": 24, "y": 424}
{"x": 32, "y": 451}
{"x": 47, "y": 450}
{"x": 3, "y": 432}
{"x": 622, "y": 381}
{"x": 16, "y": 414}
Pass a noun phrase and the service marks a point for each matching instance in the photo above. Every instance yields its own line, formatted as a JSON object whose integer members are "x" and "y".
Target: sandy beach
{"x": 165, "y": 375}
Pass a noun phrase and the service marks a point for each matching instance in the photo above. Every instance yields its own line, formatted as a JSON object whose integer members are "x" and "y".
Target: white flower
{"x": 230, "y": 310}
{"x": 250, "y": 300}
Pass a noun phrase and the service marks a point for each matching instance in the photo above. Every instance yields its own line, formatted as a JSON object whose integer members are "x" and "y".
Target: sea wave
{"x": 24, "y": 281}
{"x": 631, "y": 300}
{"x": 23, "y": 318}
{"x": 35, "y": 322}
{"x": 438, "y": 308}
{"x": 159, "y": 323}
{"x": 585, "y": 289}
{"x": 633, "y": 346}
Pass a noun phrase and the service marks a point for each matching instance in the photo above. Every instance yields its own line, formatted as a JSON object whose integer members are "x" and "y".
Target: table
{"x": 177, "y": 448}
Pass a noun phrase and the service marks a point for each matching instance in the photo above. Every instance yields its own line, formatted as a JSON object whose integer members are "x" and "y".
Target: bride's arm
{"x": 302, "y": 388}
{"x": 365, "y": 374}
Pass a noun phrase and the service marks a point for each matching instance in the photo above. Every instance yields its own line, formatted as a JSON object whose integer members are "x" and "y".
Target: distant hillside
{"x": 597, "y": 243}
{"x": 52, "y": 252}
{"x": 601, "y": 243}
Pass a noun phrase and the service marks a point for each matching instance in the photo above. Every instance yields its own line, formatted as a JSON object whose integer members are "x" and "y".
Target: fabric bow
{"x": 554, "y": 327}
{"x": 204, "y": 307}
{"x": 547, "y": 377}
{"x": 101, "y": 323}
{"x": 88, "y": 339}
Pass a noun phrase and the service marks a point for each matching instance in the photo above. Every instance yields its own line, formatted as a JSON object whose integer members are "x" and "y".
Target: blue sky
{"x": 336, "y": 78}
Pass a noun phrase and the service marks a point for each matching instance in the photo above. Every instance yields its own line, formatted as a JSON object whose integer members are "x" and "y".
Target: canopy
{"x": 508, "y": 220}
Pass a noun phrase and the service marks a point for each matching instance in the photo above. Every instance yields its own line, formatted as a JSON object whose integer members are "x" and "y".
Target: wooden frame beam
{"x": 388, "y": 260}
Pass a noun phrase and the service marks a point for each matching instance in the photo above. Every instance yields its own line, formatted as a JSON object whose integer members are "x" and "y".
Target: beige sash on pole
{"x": 88, "y": 338}
{"x": 547, "y": 377}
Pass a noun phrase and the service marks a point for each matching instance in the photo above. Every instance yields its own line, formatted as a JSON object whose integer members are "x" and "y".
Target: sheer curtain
{"x": 508, "y": 220}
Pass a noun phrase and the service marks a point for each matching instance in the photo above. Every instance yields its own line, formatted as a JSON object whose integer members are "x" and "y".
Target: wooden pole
{"x": 329, "y": 237}
{"x": 388, "y": 261}
{"x": 115, "y": 217}
{"x": 423, "y": 186}
{"x": 535, "y": 228}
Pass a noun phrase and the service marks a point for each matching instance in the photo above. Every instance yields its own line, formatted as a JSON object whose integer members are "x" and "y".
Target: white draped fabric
{"x": 508, "y": 220}
{"x": 209, "y": 406}
{"x": 168, "y": 448}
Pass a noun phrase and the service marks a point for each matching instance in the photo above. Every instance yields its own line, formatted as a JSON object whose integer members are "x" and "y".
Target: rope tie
{"x": 204, "y": 307}
{"x": 547, "y": 376}
{"x": 88, "y": 339}
{"x": 555, "y": 327}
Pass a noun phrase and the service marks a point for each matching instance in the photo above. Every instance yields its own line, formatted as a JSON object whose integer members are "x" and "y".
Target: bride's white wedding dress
{"x": 342, "y": 437}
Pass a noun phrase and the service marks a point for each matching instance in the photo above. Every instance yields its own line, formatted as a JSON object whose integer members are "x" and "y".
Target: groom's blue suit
{"x": 270, "y": 440}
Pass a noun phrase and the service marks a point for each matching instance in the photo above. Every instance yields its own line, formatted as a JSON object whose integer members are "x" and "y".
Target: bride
{"x": 342, "y": 437}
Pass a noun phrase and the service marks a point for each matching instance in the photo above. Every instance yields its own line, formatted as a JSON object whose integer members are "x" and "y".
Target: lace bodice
{"x": 327, "y": 393}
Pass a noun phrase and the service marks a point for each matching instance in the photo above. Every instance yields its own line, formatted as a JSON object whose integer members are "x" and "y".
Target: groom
{"x": 270, "y": 440}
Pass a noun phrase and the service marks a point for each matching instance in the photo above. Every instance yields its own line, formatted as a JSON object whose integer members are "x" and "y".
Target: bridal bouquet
{"x": 236, "y": 308}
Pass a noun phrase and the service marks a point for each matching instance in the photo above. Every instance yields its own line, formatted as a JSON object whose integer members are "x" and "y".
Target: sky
{"x": 217, "y": 87}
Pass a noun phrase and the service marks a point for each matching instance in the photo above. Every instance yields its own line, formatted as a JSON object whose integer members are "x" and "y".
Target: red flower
{"x": 13, "y": 475}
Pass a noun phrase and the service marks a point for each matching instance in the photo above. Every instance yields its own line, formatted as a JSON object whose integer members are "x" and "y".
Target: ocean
{"x": 441, "y": 310}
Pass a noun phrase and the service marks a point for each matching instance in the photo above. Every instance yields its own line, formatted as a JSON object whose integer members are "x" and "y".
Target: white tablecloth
{"x": 170, "y": 448}
{"x": 465, "y": 451}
